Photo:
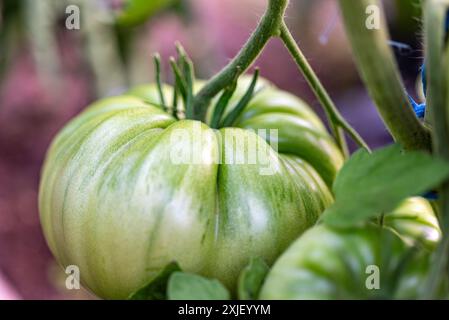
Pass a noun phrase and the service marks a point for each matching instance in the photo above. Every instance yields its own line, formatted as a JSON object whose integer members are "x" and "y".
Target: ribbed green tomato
{"x": 414, "y": 220}
{"x": 326, "y": 263}
{"x": 113, "y": 202}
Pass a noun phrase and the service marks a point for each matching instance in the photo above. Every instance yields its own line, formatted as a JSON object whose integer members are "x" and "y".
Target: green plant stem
{"x": 41, "y": 17}
{"x": 379, "y": 71}
{"x": 101, "y": 47}
{"x": 268, "y": 27}
{"x": 336, "y": 120}
{"x": 272, "y": 24}
{"x": 438, "y": 110}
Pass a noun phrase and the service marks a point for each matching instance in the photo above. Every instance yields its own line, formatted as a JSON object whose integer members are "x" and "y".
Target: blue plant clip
{"x": 420, "y": 109}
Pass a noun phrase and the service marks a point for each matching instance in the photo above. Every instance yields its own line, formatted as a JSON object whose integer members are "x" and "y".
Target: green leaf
{"x": 186, "y": 286}
{"x": 156, "y": 289}
{"x": 372, "y": 184}
{"x": 251, "y": 279}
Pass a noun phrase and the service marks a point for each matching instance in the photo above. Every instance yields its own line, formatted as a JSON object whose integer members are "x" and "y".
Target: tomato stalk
{"x": 268, "y": 27}
{"x": 379, "y": 71}
{"x": 336, "y": 120}
{"x": 271, "y": 25}
{"x": 437, "y": 56}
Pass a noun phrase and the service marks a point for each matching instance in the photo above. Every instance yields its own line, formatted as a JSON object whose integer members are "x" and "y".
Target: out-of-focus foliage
{"x": 10, "y": 29}
{"x": 408, "y": 15}
{"x": 135, "y": 12}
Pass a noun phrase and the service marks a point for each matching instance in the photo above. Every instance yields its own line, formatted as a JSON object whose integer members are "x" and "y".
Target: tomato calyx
{"x": 236, "y": 112}
{"x": 184, "y": 75}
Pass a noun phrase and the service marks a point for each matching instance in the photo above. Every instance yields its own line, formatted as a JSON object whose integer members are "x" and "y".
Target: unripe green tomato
{"x": 327, "y": 263}
{"x": 414, "y": 220}
{"x": 135, "y": 12}
{"x": 113, "y": 202}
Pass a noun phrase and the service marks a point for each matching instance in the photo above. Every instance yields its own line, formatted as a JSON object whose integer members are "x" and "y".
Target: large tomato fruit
{"x": 113, "y": 202}
{"x": 327, "y": 263}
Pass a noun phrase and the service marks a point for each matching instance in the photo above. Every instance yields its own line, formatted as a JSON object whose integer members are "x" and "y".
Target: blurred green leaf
{"x": 407, "y": 13}
{"x": 186, "y": 286}
{"x": 156, "y": 289}
{"x": 136, "y": 12}
{"x": 371, "y": 184}
{"x": 251, "y": 279}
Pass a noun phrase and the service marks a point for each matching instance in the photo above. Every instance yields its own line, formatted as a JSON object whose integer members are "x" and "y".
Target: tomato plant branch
{"x": 438, "y": 109}
{"x": 268, "y": 27}
{"x": 272, "y": 24}
{"x": 379, "y": 71}
{"x": 336, "y": 120}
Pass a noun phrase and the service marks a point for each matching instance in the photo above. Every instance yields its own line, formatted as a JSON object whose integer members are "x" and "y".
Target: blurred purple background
{"x": 48, "y": 74}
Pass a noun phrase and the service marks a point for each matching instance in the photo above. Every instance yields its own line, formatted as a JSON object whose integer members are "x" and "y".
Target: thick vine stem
{"x": 379, "y": 71}
{"x": 268, "y": 27}
{"x": 437, "y": 56}
{"x": 336, "y": 120}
